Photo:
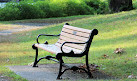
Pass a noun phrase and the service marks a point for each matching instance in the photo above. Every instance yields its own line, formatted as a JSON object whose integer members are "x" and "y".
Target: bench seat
{"x": 54, "y": 49}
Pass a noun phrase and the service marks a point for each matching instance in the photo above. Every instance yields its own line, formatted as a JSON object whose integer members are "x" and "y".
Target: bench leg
{"x": 89, "y": 73}
{"x": 35, "y": 62}
{"x": 60, "y": 68}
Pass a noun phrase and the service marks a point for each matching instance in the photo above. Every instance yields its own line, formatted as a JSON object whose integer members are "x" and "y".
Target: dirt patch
{"x": 32, "y": 24}
{"x": 8, "y": 34}
{"x": 25, "y": 25}
{"x": 20, "y": 28}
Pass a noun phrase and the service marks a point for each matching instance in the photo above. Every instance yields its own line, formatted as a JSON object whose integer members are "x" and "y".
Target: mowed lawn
{"x": 117, "y": 30}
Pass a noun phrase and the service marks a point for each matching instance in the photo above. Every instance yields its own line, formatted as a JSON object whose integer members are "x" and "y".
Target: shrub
{"x": 29, "y": 11}
{"x": 44, "y": 6}
{"x": 77, "y": 8}
{"x": 99, "y": 6}
{"x": 103, "y": 8}
{"x": 56, "y": 9}
{"x": 135, "y": 4}
{"x": 9, "y": 13}
{"x": 22, "y": 10}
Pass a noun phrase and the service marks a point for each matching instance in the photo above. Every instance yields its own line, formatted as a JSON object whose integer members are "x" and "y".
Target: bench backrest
{"x": 74, "y": 34}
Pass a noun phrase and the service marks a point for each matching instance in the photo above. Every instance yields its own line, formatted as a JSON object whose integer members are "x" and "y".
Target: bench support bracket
{"x": 74, "y": 68}
{"x": 36, "y": 56}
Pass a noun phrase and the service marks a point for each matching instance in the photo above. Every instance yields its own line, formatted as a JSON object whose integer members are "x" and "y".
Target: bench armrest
{"x": 72, "y": 43}
{"x": 44, "y": 35}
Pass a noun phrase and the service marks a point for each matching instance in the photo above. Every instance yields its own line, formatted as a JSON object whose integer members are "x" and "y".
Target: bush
{"x": 9, "y": 13}
{"x": 22, "y": 10}
{"x": 77, "y": 8}
{"x": 44, "y": 6}
{"x": 29, "y": 11}
{"x": 135, "y": 4}
{"x": 56, "y": 9}
{"x": 100, "y": 7}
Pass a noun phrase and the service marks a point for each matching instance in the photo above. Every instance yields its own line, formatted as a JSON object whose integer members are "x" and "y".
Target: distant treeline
{"x": 28, "y": 9}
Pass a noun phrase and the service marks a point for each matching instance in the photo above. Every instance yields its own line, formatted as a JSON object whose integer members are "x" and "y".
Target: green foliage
{"x": 99, "y": 6}
{"x": 56, "y": 9}
{"x": 23, "y": 10}
{"x": 135, "y": 4}
{"x": 44, "y": 6}
{"x": 77, "y": 8}
{"x": 29, "y": 11}
{"x": 9, "y": 13}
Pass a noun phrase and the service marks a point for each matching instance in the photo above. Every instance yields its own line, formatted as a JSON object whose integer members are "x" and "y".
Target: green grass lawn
{"x": 117, "y": 30}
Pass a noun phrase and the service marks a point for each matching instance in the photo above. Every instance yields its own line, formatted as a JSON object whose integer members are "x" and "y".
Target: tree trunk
{"x": 120, "y": 5}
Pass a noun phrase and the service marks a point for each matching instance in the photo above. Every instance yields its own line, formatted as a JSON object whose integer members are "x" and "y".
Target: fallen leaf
{"x": 105, "y": 56}
{"x": 132, "y": 76}
{"x": 31, "y": 64}
{"x": 92, "y": 67}
{"x": 24, "y": 52}
{"x": 136, "y": 56}
{"x": 118, "y": 50}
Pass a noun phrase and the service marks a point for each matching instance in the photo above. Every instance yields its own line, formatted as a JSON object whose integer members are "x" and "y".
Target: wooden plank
{"x": 69, "y": 48}
{"x": 75, "y": 32}
{"x": 74, "y": 37}
{"x": 76, "y": 46}
{"x": 76, "y": 28}
{"x": 69, "y": 39}
{"x": 54, "y": 49}
{"x": 50, "y": 48}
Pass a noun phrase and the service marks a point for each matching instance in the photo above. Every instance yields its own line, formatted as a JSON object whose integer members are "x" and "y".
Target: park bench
{"x": 72, "y": 42}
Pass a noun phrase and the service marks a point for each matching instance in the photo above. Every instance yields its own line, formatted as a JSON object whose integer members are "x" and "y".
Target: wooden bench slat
{"x": 75, "y": 32}
{"x": 68, "y": 49}
{"x": 76, "y": 46}
{"x": 77, "y": 29}
{"x": 50, "y": 48}
{"x": 74, "y": 37}
{"x": 69, "y": 40}
{"x": 54, "y": 49}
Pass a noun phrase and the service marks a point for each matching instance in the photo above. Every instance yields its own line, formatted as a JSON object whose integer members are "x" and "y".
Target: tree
{"x": 120, "y": 5}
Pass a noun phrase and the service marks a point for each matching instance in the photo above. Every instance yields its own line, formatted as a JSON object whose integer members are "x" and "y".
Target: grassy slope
{"x": 115, "y": 31}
